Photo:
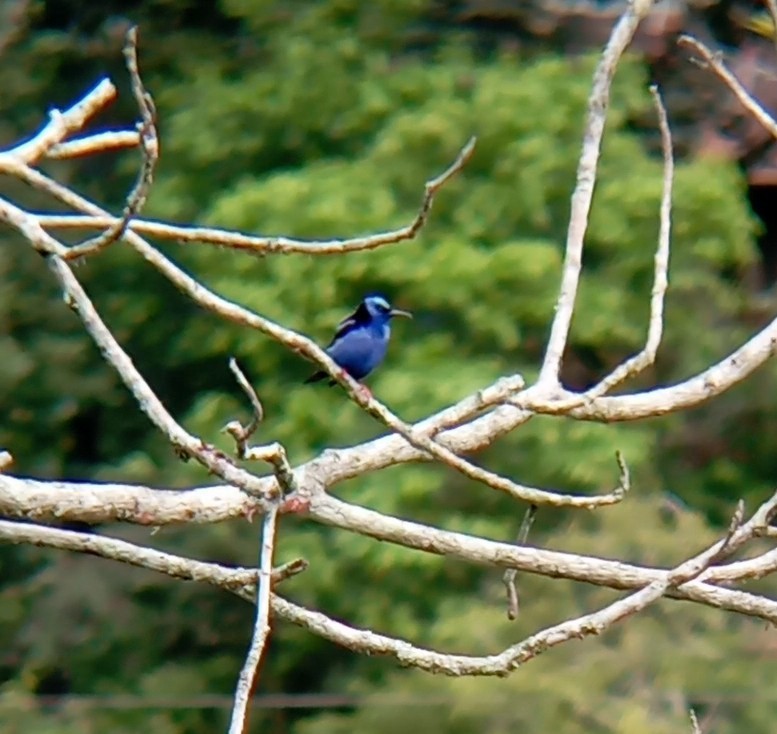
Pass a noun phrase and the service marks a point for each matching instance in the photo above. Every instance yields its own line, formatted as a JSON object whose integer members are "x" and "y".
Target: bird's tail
{"x": 316, "y": 376}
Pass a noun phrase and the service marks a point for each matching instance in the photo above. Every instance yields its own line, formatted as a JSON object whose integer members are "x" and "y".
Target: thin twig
{"x": 149, "y": 146}
{"x": 272, "y": 245}
{"x": 187, "y": 569}
{"x": 639, "y": 362}
{"x": 716, "y": 65}
{"x": 273, "y": 453}
{"x": 91, "y": 144}
{"x": 237, "y": 430}
{"x": 598, "y": 102}
{"x": 261, "y": 626}
{"x": 513, "y": 603}
{"x": 695, "y": 728}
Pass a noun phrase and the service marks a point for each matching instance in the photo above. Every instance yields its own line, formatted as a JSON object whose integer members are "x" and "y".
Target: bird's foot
{"x": 295, "y": 504}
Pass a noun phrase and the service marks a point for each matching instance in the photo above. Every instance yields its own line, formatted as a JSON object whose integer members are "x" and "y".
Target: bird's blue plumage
{"x": 361, "y": 340}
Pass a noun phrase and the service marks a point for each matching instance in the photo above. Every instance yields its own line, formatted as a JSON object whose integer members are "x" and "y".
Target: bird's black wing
{"x": 359, "y": 317}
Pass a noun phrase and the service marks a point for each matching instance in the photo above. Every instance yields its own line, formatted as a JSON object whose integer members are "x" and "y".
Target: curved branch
{"x": 272, "y": 245}
{"x": 598, "y": 102}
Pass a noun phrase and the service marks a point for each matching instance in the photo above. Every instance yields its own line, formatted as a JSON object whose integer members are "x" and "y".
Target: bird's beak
{"x": 399, "y": 312}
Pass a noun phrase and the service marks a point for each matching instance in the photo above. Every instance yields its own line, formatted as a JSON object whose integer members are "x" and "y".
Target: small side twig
{"x": 149, "y": 146}
{"x": 98, "y": 143}
{"x": 237, "y": 430}
{"x": 273, "y": 453}
{"x": 771, "y": 6}
{"x": 288, "y": 570}
{"x": 261, "y": 626}
{"x": 513, "y": 604}
{"x": 695, "y": 728}
{"x": 714, "y": 62}
{"x": 639, "y": 362}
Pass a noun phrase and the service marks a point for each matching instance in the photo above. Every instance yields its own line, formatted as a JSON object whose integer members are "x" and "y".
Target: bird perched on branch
{"x": 360, "y": 342}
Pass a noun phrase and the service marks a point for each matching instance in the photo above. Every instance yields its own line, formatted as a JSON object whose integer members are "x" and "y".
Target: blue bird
{"x": 360, "y": 342}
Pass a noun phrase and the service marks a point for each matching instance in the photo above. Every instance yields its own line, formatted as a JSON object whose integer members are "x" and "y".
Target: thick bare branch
{"x": 508, "y": 578}
{"x": 103, "y": 502}
{"x": 241, "y": 580}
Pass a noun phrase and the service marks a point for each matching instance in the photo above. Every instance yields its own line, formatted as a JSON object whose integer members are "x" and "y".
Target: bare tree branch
{"x": 486, "y": 429}
{"x": 513, "y": 603}
{"x": 99, "y": 503}
{"x": 471, "y": 424}
{"x": 261, "y": 626}
{"x": 91, "y": 144}
{"x": 598, "y": 102}
{"x": 62, "y": 124}
{"x": 510, "y": 659}
{"x": 370, "y": 642}
{"x": 716, "y": 65}
{"x": 639, "y": 362}
{"x": 149, "y": 145}
{"x": 273, "y": 245}
{"x": 301, "y": 344}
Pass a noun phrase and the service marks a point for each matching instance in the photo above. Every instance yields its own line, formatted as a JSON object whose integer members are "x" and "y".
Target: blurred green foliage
{"x": 323, "y": 120}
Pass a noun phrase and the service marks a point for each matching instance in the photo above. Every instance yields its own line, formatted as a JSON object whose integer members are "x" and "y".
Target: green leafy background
{"x": 323, "y": 120}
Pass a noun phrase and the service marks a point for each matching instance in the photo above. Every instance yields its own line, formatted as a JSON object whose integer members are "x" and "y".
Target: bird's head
{"x": 380, "y": 309}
